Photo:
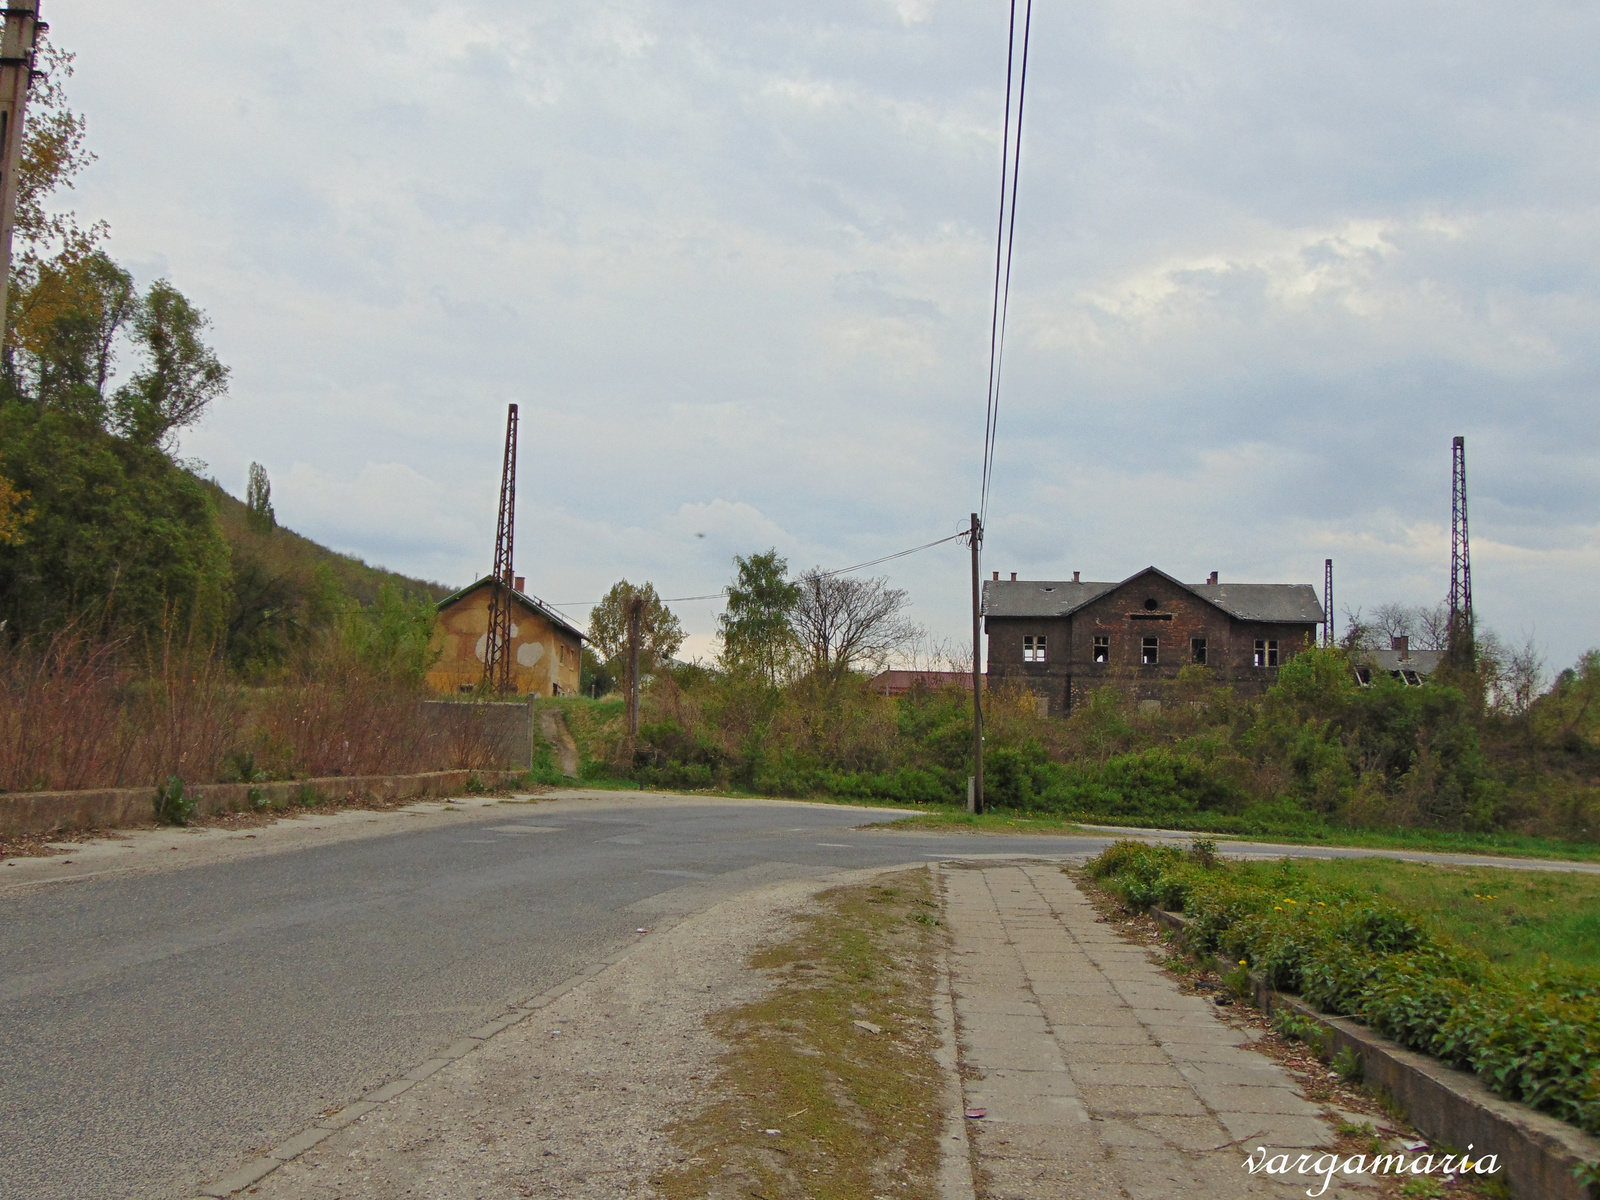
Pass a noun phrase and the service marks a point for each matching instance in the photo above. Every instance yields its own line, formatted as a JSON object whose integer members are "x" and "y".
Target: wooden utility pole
{"x": 635, "y": 628}
{"x": 975, "y": 540}
{"x": 17, "y": 46}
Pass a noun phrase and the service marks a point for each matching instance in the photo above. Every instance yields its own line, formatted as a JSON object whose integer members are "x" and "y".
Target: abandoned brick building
{"x": 1064, "y": 639}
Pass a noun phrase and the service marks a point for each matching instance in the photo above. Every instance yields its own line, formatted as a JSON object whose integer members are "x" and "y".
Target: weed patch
{"x": 812, "y": 1103}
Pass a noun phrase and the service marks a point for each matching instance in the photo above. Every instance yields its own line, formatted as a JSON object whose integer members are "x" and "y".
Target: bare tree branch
{"x": 843, "y": 621}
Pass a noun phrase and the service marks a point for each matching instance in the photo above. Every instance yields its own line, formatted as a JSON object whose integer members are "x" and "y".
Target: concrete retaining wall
{"x": 111, "y": 808}
{"x": 494, "y": 731}
{"x": 1537, "y": 1152}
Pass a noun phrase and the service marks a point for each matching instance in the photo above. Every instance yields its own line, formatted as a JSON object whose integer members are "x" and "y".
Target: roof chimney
{"x": 1402, "y": 644}
{"x": 1212, "y": 578}
{"x": 997, "y": 576}
{"x": 1013, "y": 577}
{"x": 522, "y": 583}
{"x": 1075, "y": 578}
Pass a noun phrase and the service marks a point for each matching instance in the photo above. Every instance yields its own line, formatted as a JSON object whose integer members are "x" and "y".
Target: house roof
{"x": 1423, "y": 662}
{"x": 530, "y": 602}
{"x": 1283, "y": 603}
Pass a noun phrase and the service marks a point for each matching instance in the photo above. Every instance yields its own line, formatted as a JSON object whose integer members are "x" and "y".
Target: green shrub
{"x": 173, "y": 805}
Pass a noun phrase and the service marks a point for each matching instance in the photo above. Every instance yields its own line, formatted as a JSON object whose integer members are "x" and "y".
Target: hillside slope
{"x": 287, "y": 554}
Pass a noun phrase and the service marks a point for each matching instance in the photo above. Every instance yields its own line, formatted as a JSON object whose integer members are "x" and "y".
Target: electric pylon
{"x": 1327, "y": 603}
{"x": 497, "y": 648}
{"x": 1463, "y": 651}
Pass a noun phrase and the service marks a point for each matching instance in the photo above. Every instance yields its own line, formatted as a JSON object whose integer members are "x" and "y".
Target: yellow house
{"x": 546, "y": 648}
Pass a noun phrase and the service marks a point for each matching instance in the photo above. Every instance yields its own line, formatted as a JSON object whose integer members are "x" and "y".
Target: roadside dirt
{"x": 579, "y": 1099}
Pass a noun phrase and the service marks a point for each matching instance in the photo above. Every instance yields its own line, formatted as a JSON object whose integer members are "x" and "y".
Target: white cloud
{"x": 733, "y": 261}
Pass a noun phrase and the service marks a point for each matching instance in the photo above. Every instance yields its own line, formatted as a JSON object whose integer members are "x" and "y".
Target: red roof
{"x": 898, "y": 683}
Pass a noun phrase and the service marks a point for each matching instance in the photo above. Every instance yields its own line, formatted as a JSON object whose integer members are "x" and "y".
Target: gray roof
{"x": 1423, "y": 662}
{"x": 527, "y": 600}
{"x": 1285, "y": 603}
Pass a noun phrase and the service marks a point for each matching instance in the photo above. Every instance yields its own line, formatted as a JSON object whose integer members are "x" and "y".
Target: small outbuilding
{"x": 546, "y": 648}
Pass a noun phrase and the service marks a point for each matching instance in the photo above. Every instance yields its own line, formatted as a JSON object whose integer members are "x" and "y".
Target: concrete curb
{"x": 955, "y": 1152}
{"x": 1538, "y": 1153}
{"x": 112, "y": 808}
{"x": 254, "y": 1172}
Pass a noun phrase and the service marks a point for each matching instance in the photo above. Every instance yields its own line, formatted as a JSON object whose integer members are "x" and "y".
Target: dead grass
{"x": 811, "y": 1104}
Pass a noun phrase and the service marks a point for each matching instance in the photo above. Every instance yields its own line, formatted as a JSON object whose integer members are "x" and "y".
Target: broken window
{"x": 1102, "y": 649}
{"x": 1152, "y": 651}
{"x": 1033, "y": 647}
{"x": 1197, "y": 647}
{"x": 1364, "y": 676}
{"x": 1266, "y": 653}
{"x": 1272, "y": 654}
{"x": 1412, "y": 678}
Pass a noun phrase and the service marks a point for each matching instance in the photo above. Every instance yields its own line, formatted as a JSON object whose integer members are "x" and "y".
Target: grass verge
{"x": 813, "y": 1104}
{"x": 1513, "y": 917}
{"x": 1440, "y": 841}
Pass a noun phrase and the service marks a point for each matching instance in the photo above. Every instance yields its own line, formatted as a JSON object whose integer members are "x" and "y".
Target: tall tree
{"x": 757, "y": 628}
{"x": 258, "y": 499}
{"x": 661, "y": 632}
{"x": 181, "y": 375}
{"x": 844, "y": 621}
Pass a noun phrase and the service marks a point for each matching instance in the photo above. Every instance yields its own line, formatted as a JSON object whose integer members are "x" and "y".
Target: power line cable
{"x": 871, "y": 562}
{"x": 1005, "y": 239}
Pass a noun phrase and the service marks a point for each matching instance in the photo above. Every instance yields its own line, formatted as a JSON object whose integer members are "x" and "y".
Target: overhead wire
{"x": 1005, "y": 239}
{"x": 871, "y": 562}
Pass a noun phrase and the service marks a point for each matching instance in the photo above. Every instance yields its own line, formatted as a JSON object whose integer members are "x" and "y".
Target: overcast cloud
{"x": 733, "y": 262}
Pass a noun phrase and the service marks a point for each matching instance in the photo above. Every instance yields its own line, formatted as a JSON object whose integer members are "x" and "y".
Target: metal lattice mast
{"x": 1462, "y": 648}
{"x": 1327, "y": 603}
{"x": 497, "y": 649}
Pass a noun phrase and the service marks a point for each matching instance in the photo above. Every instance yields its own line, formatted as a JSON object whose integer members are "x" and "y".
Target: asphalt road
{"x": 160, "y": 1028}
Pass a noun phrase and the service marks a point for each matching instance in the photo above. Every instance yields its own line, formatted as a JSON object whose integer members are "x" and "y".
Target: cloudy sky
{"x": 733, "y": 261}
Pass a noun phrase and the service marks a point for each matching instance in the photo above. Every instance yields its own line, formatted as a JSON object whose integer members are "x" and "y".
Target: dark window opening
{"x": 1198, "y": 647}
{"x": 1152, "y": 651}
{"x": 1102, "y": 649}
{"x": 1364, "y": 676}
{"x": 1266, "y": 653}
{"x": 1033, "y": 647}
{"x": 1151, "y": 605}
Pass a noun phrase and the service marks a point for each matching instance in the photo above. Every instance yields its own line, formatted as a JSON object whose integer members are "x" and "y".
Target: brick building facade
{"x": 1065, "y": 639}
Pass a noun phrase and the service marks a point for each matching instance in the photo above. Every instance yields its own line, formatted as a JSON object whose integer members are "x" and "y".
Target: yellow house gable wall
{"x": 544, "y": 657}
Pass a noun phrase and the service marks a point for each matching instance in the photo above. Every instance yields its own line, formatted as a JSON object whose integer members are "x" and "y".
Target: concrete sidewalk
{"x": 1101, "y": 1078}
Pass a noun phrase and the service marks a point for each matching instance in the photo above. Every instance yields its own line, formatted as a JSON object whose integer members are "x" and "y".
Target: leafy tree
{"x": 66, "y": 327}
{"x": 394, "y": 636}
{"x": 757, "y": 625}
{"x": 842, "y": 621}
{"x": 661, "y": 634}
{"x": 258, "y": 499}
{"x": 115, "y": 529}
{"x": 181, "y": 375}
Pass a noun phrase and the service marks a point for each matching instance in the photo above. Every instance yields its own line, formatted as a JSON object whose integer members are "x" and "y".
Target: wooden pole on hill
{"x": 17, "y": 46}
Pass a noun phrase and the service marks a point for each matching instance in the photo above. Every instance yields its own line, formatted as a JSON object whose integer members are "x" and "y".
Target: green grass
{"x": 1512, "y": 916}
{"x": 1435, "y": 840}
